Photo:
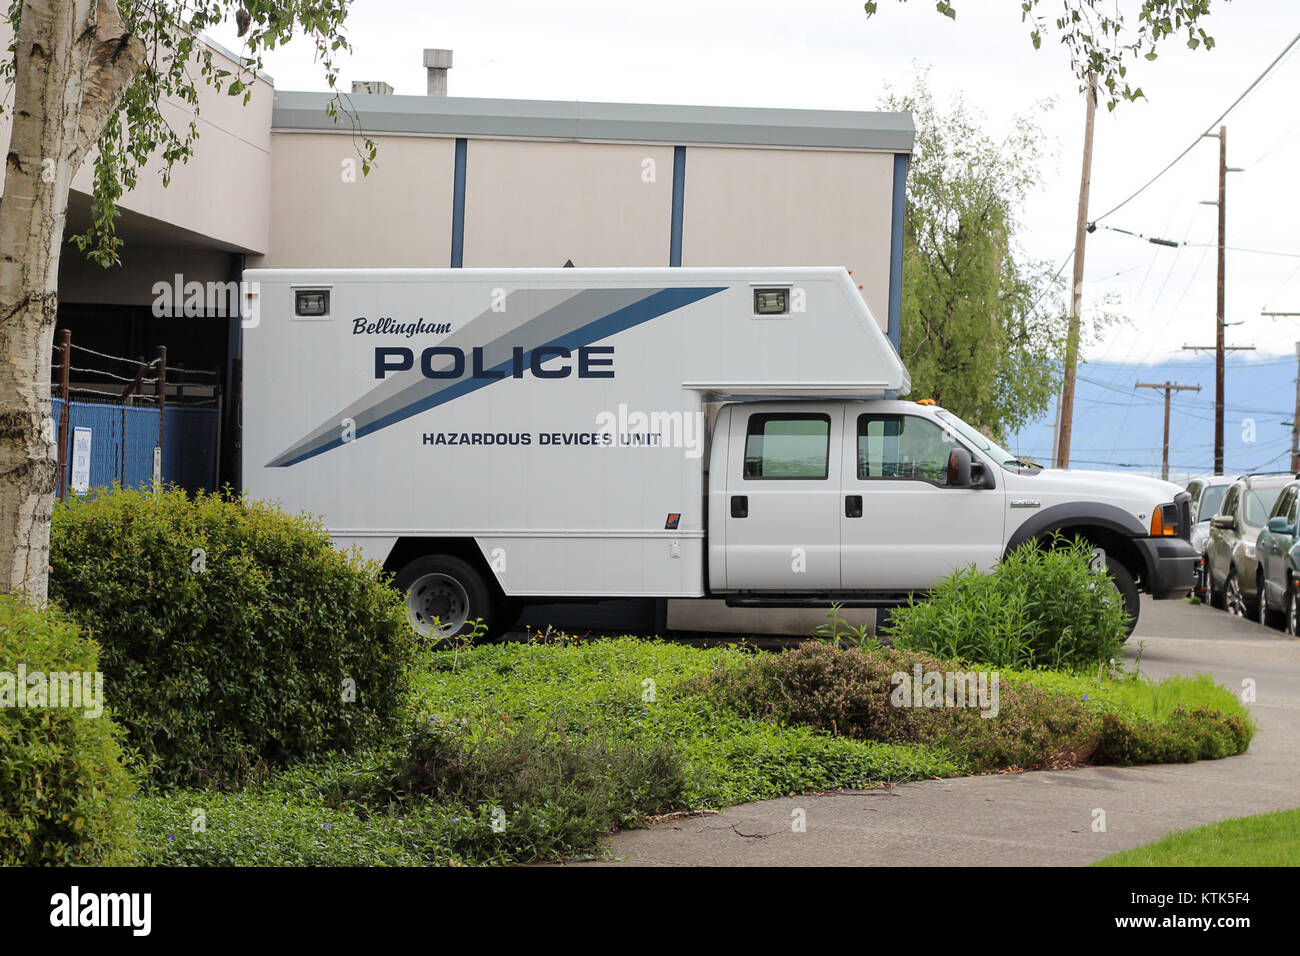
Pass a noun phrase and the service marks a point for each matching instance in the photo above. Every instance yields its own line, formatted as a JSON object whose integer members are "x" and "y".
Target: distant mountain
{"x": 1119, "y": 427}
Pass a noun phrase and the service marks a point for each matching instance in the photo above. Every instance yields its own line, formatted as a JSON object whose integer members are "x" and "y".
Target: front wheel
{"x": 1265, "y": 615}
{"x": 445, "y": 598}
{"x": 1216, "y": 596}
{"x": 1290, "y": 611}
{"x": 1233, "y": 598}
{"x": 1127, "y": 589}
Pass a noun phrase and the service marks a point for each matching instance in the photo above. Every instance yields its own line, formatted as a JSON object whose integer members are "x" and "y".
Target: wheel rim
{"x": 437, "y": 605}
{"x": 1236, "y": 603}
{"x": 1261, "y": 612}
{"x": 1291, "y": 622}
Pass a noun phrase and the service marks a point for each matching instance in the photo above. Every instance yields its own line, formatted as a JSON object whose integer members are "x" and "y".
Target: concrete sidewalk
{"x": 1042, "y": 818}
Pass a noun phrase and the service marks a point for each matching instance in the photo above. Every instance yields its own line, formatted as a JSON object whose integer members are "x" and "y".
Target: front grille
{"x": 1184, "y": 504}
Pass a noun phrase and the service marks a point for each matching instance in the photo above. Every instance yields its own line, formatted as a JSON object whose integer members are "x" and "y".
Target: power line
{"x": 1208, "y": 130}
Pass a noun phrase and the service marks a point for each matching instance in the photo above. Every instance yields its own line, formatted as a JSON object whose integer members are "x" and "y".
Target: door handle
{"x": 853, "y": 506}
{"x": 740, "y": 506}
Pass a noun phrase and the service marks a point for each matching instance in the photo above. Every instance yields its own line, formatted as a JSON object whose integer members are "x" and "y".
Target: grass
{"x": 1134, "y": 694}
{"x": 562, "y": 716}
{"x": 1271, "y": 839}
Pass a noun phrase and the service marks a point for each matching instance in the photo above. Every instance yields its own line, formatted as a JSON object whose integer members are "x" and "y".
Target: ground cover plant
{"x": 535, "y": 750}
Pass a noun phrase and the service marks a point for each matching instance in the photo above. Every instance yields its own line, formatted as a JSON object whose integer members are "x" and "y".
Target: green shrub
{"x": 1187, "y": 734}
{"x": 599, "y": 782}
{"x": 852, "y": 691}
{"x": 1039, "y": 607}
{"x": 232, "y": 633}
{"x": 65, "y": 795}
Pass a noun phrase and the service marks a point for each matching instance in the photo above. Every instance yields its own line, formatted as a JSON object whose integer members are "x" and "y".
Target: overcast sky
{"x": 824, "y": 54}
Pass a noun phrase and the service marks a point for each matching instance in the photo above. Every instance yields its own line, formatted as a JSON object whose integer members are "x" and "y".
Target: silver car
{"x": 1231, "y": 558}
{"x": 1207, "y": 493}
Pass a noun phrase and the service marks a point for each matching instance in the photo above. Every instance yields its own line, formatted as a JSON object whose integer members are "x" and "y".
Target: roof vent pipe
{"x": 437, "y": 63}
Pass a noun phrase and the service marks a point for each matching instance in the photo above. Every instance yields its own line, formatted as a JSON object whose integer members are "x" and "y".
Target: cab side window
{"x": 903, "y": 447}
{"x": 789, "y": 445}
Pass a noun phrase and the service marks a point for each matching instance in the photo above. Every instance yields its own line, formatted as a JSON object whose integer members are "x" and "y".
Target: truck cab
{"x": 867, "y": 502}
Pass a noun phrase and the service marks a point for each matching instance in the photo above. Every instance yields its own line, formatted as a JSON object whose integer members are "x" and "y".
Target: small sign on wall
{"x": 80, "y": 460}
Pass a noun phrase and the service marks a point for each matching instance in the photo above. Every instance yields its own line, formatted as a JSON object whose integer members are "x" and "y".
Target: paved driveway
{"x": 1039, "y": 818}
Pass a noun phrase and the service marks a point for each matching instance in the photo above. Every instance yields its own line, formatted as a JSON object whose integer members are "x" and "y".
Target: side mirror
{"x": 1280, "y": 525}
{"x": 959, "y": 468}
{"x": 1223, "y": 521}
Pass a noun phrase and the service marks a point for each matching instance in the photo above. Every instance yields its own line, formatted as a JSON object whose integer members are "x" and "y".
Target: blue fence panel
{"x": 105, "y": 424}
{"x": 123, "y": 439}
{"x": 190, "y": 447}
{"x": 140, "y": 428}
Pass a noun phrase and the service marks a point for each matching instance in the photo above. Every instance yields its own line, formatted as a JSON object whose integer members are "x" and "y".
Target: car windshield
{"x": 1211, "y": 498}
{"x": 1257, "y": 503}
{"x": 982, "y": 442}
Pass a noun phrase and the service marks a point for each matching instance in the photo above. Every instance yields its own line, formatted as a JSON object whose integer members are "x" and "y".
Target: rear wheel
{"x": 1289, "y": 603}
{"x": 445, "y": 598}
{"x": 1265, "y": 615}
{"x": 1233, "y": 599}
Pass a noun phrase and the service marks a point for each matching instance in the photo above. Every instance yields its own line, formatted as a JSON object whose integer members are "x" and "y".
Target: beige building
{"x": 463, "y": 182}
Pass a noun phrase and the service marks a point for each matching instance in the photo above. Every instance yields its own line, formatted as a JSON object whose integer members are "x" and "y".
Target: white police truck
{"x": 499, "y": 438}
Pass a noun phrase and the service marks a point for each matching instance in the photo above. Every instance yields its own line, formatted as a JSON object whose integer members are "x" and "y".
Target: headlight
{"x": 1249, "y": 549}
{"x": 1164, "y": 521}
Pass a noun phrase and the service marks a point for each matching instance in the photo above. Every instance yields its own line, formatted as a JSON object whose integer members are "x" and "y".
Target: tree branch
{"x": 116, "y": 57}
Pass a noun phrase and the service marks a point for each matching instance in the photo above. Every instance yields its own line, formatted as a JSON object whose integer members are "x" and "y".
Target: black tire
{"x": 1216, "y": 597}
{"x": 1127, "y": 589}
{"x": 1265, "y": 615}
{"x": 449, "y": 590}
{"x": 1291, "y": 613}
{"x": 1234, "y": 598}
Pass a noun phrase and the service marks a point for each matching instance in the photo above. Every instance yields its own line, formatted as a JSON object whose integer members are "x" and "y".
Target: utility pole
{"x": 1295, "y": 419}
{"x": 1169, "y": 389}
{"x": 1224, "y": 169}
{"x": 1218, "y": 324}
{"x": 1066, "y": 405}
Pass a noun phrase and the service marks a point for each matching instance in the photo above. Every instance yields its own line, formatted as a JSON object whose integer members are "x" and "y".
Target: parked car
{"x": 1207, "y": 493}
{"x": 1279, "y": 563}
{"x": 1232, "y": 562}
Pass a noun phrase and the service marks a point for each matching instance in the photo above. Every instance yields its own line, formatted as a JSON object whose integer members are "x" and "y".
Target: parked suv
{"x": 1232, "y": 562}
{"x": 1279, "y": 563}
{"x": 1207, "y": 493}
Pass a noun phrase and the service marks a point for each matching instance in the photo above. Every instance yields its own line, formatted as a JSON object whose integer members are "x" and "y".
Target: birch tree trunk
{"x": 74, "y": 61}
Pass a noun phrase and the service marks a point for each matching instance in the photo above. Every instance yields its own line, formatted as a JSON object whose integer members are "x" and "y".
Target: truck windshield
{"x": 983, "y": 443}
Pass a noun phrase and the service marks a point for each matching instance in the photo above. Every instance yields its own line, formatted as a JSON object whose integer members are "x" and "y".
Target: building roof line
{"x": 569, "y": 120}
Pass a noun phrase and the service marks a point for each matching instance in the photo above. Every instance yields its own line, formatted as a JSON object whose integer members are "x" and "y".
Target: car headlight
{"x": 1249, "y": 549}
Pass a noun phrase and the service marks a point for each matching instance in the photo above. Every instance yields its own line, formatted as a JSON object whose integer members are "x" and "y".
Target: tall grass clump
{"x": 1039, "y": 607}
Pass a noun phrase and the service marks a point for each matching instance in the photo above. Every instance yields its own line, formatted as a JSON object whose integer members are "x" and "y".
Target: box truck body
{"x": 498, "y": 437}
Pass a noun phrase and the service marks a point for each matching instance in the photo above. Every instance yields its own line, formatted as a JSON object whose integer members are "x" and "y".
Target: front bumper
{"x": 1170, "y": 565}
